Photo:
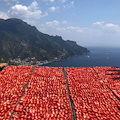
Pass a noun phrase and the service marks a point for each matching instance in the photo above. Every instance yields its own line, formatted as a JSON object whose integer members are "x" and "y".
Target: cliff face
{"x": 21, "y": 40}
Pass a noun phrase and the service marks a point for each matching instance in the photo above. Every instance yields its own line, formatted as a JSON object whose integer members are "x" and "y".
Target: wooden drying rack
{"x": 2, "y": 65}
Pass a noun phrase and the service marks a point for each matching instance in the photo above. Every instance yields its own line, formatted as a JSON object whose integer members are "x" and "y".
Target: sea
{"x": 98, "y": 56}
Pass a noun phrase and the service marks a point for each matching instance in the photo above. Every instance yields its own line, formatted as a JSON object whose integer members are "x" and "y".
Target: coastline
{"x": 33, "y": 61}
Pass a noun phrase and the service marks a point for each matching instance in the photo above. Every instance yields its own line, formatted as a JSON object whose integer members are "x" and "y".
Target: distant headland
{"x": 21, "y": 43}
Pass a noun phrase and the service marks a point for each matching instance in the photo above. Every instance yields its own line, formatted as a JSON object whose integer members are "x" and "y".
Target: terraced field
{"x": 56, "y": 93}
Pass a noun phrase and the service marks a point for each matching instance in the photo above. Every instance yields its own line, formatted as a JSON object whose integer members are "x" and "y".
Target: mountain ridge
{"x": 20, "y": 41}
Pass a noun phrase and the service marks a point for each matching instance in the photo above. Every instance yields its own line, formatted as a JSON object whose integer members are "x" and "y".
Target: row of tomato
{"x": 46, "y": 97}
{"x": 111, "y": 78}
{"x": 12, "y": 81}
{"x": 91, "y": 97}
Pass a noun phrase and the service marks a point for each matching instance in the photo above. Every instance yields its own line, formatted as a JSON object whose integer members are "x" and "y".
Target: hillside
{"x": 20, "y": 42}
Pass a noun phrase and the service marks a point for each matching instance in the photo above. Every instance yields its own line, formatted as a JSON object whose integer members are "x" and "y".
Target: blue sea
{"x": 98, "y": 56}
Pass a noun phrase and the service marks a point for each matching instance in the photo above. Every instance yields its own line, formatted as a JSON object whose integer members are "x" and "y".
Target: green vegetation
{"x": 20, "y": 40}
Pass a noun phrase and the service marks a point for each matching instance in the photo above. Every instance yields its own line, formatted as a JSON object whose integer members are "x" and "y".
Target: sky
{"x": 88, "y": 22}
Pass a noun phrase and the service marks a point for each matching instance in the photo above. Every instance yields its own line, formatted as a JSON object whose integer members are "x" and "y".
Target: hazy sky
{"x": 88, "y": 22}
